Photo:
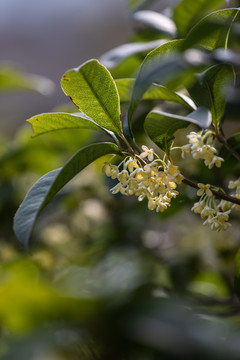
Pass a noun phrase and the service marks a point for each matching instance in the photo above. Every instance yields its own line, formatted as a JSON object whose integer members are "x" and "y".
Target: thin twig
{"x": 218, "y": 194}
{"x": 223, "y": 140}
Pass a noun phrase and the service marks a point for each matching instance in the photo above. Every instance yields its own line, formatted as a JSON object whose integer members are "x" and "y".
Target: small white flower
{"x": 204, "y": 188}
{"x": 147, "y": 153}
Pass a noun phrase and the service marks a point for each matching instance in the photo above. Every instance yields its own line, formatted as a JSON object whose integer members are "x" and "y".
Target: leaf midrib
{"x": 102, "y": 105}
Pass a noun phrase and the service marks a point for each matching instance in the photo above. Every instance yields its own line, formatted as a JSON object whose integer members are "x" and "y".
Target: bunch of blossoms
{"x": 215, "y": 211}
{"x": 146, "y": 176}
{"x": 201, "y": 146}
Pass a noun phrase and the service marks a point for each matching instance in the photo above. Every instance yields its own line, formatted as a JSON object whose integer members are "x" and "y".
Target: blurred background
{"x": 49, "y": 37}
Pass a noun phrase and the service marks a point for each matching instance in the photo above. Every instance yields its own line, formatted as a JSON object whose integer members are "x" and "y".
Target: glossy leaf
{"x": 115, "y": 56}
{"x": 208, "y": 91}
{"x": 92, "y": 88}
{"x": 44, "y": 123}
{"x": 48, "y": 186}
{"x": 159, "y": 65}
{"x": 14, "y": 79}
{"x": 188, "y": 12}
{"x": 156, "y": 21}
{"x": 161, "y": 126}
{"x": 154, "y": 92}
{"x": 213, "y": 30}
{"x": 234, "y": 142}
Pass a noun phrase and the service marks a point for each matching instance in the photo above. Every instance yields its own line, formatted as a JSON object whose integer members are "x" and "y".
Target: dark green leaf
{"x": 159, "y": 65}
{"x": 92, "y": 88}
{"x": 161, "y": 126}
{"x": 154, "y": 92}
{"x": 113, "y": 57}
{"x": 208, "y": 91}
{"x": 44, "y": 123}
{"x": 156, "y": 21}
{"x": 234, "y": 143}
{"x": 188, "y": 12}
{"x": 213, "y": 30}
{"x": 48, "y": 186}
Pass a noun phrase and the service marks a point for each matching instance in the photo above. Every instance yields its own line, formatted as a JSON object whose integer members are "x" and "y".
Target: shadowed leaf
{"x": 48, "y": 186}
{"x": 154, "y": 92}
{"x": 188, "y": 12}
{"x": 208, "y": 91}
{"x": 161, "y": 126}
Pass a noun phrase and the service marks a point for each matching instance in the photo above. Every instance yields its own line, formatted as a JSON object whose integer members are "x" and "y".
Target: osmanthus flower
{"x": 146, "y": 176}
{"x": 219, "y": 221}
{"x": 216, "y": 211}
{"x": 204, "y": 188}
{"x": 147, "y": 153}
{"x": 201, "y": 146}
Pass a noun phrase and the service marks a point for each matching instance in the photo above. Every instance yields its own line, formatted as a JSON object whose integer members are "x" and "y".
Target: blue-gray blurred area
{"x": 48, "y": 37}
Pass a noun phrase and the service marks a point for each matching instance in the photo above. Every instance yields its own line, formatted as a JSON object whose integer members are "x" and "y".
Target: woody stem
{"x": 217, "y": 194}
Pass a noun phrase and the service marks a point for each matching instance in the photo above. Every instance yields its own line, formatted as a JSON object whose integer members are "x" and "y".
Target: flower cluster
{"x": 201, "y": 146}
{"x": 146, "y": 176}
{"x": 216, "y": 211}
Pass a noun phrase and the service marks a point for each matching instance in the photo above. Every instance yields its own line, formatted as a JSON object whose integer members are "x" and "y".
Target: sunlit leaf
{"x": 154, "y": 92}
{"x": 92, "y": 88}
{"x": 208, "y": 91}
{"x": 156, "y": 21}
{"x": 188, "y": 12}
{"x": 48, "y": 186}
{"x": 161, "y": 126}
{"x": 44, "y": 123}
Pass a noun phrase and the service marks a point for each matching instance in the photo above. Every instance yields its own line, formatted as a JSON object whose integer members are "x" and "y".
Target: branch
{"x": 218, "y": 194}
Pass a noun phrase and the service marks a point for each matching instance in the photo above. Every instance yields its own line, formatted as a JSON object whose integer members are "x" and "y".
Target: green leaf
{"x": 14, "y": 79}
{"x": 234, "y": 143}
{"x": 188, "y": 12}
{"x": 156, "y": 21}
{"x": 154, "y": 92}
{"x": 44, "y": 123}
{"x": 92, "y": 88}
{"x": 161, "y": 126}
{"x": 208, "y": 91}
{"x": 158, "y": 65}
{"x": 115, "y": 56}
{"x": 213, "y": 30}
{"x": 48, "y": 186}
